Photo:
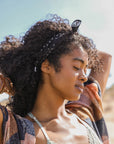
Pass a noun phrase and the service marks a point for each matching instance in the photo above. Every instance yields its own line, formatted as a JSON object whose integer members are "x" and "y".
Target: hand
{"x": 6, "y": 86}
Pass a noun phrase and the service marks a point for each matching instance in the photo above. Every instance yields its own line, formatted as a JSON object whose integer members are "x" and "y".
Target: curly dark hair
{"x": 21, "y": 60}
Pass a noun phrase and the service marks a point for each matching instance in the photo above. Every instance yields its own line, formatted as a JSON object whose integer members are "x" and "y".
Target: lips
{"x": 80, "y": 87}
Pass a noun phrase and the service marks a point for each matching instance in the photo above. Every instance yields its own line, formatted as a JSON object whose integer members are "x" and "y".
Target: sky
{"x": 17, "y": 16}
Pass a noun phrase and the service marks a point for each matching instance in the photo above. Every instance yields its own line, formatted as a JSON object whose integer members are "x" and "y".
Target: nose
{"x": 83, "y": 77}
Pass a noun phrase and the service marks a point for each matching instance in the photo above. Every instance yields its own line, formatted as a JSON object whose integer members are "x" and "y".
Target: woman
{"x": 46, "y": 68}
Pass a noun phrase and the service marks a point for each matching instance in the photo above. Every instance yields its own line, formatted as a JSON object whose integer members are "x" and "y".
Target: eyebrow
{"x": 78, "y": 59}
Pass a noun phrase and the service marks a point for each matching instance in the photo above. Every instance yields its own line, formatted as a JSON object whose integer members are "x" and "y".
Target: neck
{"x": 49, "y": 105}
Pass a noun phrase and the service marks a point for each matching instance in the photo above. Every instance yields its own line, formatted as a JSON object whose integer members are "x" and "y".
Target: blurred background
{"x": 17, "y": 16}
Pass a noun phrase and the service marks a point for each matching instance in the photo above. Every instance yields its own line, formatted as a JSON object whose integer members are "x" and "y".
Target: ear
{"x": 46, "y": 67}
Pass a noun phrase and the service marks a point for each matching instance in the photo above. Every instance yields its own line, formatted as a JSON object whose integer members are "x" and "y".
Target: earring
{"x": 35, "y": 69}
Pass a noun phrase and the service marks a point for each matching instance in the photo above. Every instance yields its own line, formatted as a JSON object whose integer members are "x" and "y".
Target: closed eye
{"x": 76, "y": 68}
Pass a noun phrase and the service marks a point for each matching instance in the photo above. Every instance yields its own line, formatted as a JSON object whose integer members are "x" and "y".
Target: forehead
{"x": 78, "y": 52}
{"x": 76, "y": 55}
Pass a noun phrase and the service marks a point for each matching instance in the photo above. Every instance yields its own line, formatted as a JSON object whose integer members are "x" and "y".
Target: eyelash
{"x": 76, "y": 68}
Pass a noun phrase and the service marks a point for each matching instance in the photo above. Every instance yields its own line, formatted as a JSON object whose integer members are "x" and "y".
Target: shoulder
{"x": 25, "y": 129}
{"x": 25, "y": 125}
{"x": 21, "y": 127}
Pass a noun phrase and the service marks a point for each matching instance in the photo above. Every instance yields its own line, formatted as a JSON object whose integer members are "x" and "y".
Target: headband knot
{"x": 75, "y": 25}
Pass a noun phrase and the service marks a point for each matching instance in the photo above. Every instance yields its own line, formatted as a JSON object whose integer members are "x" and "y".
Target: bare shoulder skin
{"x": 1, "y": 121}
{"x": 102, "y": 75}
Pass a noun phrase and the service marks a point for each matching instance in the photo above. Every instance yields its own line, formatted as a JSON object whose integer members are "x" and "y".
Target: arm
{"x": 1, "y": 114}
{"x": 5, "y": 86}
{"x": 1, "y": 121}
{"x": 102, "y": 75}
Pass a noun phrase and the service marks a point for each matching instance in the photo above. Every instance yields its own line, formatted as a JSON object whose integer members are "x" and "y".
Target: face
{"x": 69, "y": 81}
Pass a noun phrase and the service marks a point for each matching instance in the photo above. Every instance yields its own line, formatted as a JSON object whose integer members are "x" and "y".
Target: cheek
{"x": 71, "y": 75}
{"x": 67, "y": 78}
{"x": 76, "y": 76}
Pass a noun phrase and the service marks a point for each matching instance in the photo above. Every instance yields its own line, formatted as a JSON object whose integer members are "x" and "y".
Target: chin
{"x": 75, "y": 98}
